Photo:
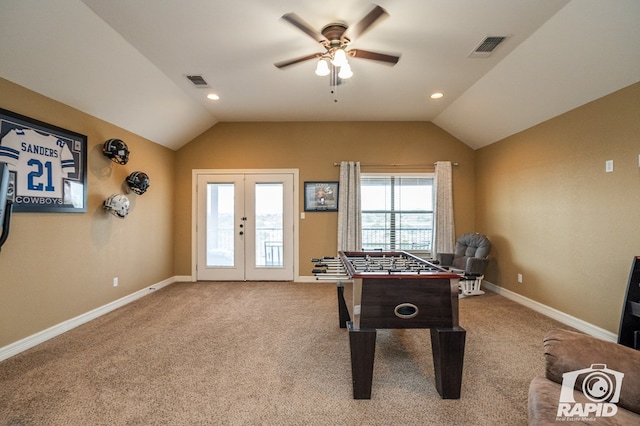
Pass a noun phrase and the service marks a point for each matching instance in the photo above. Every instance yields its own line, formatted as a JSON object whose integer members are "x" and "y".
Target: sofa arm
{"x": 567, "y": 351}
{"x": 543, "y": 400}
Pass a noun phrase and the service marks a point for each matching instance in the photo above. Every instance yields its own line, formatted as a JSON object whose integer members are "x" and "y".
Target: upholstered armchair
{"x": 470, "y": 258}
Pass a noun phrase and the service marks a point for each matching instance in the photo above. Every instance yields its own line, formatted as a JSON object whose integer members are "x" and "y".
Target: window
{"x": 397, "y": 212}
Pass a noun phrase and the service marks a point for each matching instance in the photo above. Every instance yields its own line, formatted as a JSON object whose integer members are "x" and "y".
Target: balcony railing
{"x": 405, "y": 239}
{"x": 268, "y": 247}
{"x": 269, "y": 244}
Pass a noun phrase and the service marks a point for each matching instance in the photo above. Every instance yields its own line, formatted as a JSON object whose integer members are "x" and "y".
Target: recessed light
{"x": 213, "y": 96}
{"x": 437, "y": 95}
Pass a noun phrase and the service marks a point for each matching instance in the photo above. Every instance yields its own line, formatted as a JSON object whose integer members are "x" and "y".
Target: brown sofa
{"x": 594, "y": 367}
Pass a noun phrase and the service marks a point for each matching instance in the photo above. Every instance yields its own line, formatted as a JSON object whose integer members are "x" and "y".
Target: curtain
{"x": 349, "y": 211}
{"x": 444, "y": 232}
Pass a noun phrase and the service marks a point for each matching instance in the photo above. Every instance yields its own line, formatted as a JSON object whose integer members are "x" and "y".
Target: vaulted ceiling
{"x": 126, "y": 61}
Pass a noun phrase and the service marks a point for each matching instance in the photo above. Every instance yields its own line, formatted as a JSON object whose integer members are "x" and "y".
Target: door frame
{"x": 194, "y": 211}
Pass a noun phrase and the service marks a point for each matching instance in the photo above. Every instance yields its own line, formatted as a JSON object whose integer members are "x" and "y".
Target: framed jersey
{"x": 47, "y": 165}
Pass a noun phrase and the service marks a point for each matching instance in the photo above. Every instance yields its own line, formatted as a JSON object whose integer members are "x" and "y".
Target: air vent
{"x": 198, "y": 81}
{"x": 487, "y": 46}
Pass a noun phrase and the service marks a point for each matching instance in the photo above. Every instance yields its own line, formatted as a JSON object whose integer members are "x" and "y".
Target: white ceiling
{"x": 125, "y": 61}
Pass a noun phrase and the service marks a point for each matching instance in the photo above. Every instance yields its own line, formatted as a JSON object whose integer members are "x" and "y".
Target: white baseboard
{"x": 51, "y": 332}
{"x": 557, "y": 315}
{"x": 42, "y": 336}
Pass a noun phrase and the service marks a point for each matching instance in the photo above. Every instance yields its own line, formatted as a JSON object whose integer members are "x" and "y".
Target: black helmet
{"x": 116, "y": 150}
{"x": 138, "y": 182}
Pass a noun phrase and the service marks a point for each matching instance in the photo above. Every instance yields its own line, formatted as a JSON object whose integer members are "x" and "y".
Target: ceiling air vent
{"x": 487, "y": 46}
{"x": 198, "y": 81}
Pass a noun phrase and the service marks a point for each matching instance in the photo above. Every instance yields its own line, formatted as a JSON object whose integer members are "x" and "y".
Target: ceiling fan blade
{"x": 283, "y": 64}
{"x": 375, "y": 56}
{"x": 297, "y": 22}
{"x": 365, "y": 23}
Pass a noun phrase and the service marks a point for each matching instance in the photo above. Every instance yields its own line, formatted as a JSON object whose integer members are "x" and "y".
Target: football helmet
{"x": 116, "y": 150}
{"x": 118, "y": 205}
{"x": 138, "y": 182}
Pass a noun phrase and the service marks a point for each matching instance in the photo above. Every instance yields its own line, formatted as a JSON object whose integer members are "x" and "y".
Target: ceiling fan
{"x": 335, "y": 38}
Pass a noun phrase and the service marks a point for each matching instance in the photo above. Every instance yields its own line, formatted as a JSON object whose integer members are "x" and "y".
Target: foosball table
{"x": 396, "y": 290}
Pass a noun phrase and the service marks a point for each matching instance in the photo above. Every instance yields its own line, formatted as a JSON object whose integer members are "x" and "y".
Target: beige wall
{"x": 55, "y": 266}
{"x": 556, "y": 217}
{"x": 313, "y": 148}
{"x": 542, "y": 196}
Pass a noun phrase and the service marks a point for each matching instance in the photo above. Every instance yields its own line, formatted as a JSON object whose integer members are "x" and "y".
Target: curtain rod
{"x": 399, "y": 165}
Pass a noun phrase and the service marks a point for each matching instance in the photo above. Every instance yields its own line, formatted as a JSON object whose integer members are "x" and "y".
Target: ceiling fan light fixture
{"x": 336, "y": 38}
{"x": 339, "y": 58}
{"x": 345, "y": 72}
{"x": 322, "y": 68}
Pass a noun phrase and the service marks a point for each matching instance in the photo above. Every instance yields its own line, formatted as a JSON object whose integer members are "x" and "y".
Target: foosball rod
{"x": 332, "y": 277}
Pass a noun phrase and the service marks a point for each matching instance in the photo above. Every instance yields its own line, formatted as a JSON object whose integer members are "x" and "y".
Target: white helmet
{"x": 118, "y": 205}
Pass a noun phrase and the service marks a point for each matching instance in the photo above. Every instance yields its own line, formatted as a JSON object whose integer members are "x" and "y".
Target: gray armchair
{"x": 470, "y": 259}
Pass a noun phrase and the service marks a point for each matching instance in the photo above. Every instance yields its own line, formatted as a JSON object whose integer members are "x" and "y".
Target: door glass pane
{"x": 269, "y": 213}
{"x": 220, "y": 226}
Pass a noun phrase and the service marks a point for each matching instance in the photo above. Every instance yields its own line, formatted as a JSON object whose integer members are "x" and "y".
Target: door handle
{"x": 241, "y": 233}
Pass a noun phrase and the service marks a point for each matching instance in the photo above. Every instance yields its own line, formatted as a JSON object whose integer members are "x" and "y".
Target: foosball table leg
{"x": 343, "y": 311}
{"x": 447, "y": 345}
{"x": 363, "y": 348}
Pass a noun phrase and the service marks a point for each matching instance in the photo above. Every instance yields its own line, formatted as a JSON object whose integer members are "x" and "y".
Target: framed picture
{"x": 321, "y": 196}
{"x": 47, "y": 165}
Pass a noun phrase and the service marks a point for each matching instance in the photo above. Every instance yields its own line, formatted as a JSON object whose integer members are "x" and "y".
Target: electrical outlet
{"x": 520, "y": 278}
{"x": 115, "y": 282}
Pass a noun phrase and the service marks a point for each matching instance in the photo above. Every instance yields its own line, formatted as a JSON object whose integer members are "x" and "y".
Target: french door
{"x": 245, "y": 227}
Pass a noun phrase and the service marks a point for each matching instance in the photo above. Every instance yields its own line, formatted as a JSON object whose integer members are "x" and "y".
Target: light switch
{"x": 608, "y": 166}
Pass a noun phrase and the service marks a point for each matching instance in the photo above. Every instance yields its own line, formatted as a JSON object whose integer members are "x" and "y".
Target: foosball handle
{"x": 320, "y": 259}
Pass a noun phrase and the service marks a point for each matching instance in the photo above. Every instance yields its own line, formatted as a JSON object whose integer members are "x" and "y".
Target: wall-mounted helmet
{"x": 138, "y": 182}
{"x": 116, "y": 150}
{"x": 118, "y": 205}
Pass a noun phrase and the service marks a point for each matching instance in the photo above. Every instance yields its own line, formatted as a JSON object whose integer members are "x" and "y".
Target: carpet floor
{"x": 256, "y": 353}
